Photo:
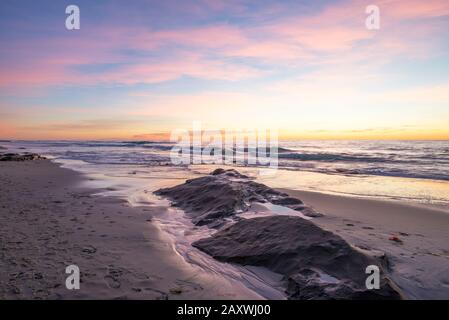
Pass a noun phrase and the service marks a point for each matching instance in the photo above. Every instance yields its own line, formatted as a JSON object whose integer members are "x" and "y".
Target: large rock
{"x": 223, "y": 194}
{"x": 316, "y": 263}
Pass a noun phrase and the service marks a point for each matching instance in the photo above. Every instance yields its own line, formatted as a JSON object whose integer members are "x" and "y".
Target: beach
{"x": 420, "y": 260}
{"x": 50, "y": 220}
{"x": 224, "y": 150}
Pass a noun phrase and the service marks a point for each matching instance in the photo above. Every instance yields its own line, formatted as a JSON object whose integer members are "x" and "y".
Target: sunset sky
{"x": 139, "y": 69}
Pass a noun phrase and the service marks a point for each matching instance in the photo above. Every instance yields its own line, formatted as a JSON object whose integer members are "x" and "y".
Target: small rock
{"x": 176, "y": 290}
{"x": 395, "y": 239}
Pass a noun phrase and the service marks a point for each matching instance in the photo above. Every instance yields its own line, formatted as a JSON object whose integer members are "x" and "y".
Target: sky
{"x": 140, "y": 69}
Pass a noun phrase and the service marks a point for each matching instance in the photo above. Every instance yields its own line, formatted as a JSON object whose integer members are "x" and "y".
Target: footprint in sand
{"x": 113, "y": 277}
{"x": 189, "y": 284}
{"x": 89, "y": 249}
{"x": 161, "y": 294}
{"x": 112, "y": 282}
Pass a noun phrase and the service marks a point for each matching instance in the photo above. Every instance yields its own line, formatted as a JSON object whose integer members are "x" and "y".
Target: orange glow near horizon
{"x": 311, "y": 69}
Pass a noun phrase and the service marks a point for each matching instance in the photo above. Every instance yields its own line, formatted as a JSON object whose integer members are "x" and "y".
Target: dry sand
{"x": 420, "y": 262}
{"x": 47, "y": 222}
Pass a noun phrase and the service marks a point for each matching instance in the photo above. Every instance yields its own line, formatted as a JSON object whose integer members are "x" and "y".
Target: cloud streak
{"x": 223, "y": 58}
{"x": 212, "y": 51}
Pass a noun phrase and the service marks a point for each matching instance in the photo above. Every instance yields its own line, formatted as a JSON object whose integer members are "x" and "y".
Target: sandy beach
{"x": 420, "y": 260}
{"x": 50, "y": 220}
{"x": 47, "y": 222}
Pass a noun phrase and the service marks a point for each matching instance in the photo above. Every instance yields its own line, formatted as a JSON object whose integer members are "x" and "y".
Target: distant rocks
{"x": 223, "y": 194}
{"x": 20, "y": 157}
{"x": 316, "y": 263}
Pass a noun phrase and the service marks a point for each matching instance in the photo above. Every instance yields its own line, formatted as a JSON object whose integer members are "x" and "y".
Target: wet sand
{"x": 419, "y": 257}
{"x": 47, "y": 222}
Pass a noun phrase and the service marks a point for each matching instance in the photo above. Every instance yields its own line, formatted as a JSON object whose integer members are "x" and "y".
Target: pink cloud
{"x": 414, "y": 9}
{"x": 337, "y": 33}
{"x": 185, "y": 65}
{"x": 207, "y": 37}
{"x": 55, "y": 60}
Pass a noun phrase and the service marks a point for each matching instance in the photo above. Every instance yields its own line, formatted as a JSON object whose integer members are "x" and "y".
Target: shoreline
{"x": 395, "y": 187}
{"x": 139, "y": 261}
{"x": 48, "y": 221}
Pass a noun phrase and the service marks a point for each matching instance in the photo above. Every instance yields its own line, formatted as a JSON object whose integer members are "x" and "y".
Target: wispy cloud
{"x": 281, "y": 61}
{"x": 149, "y": 56}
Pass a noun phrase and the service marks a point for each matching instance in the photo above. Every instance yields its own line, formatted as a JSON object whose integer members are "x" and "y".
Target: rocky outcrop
{"x": 223, "y": 194}
{"x": 20, "y": 157}
{"x": 316, "y": 263}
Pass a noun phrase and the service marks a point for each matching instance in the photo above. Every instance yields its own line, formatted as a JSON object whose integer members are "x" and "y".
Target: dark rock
{"x": 229, "y": 173}
{"x": 286, "y": 201}
{"x": 20, "y": 157}
{"x": 316, "y": 263}
{"x": 209, "y": 200}
{"x": 218, "y": 171}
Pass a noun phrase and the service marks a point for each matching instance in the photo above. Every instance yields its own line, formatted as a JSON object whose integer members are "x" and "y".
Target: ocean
{"x": 415, "y": 172}
{"x": 396, "y": 170}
